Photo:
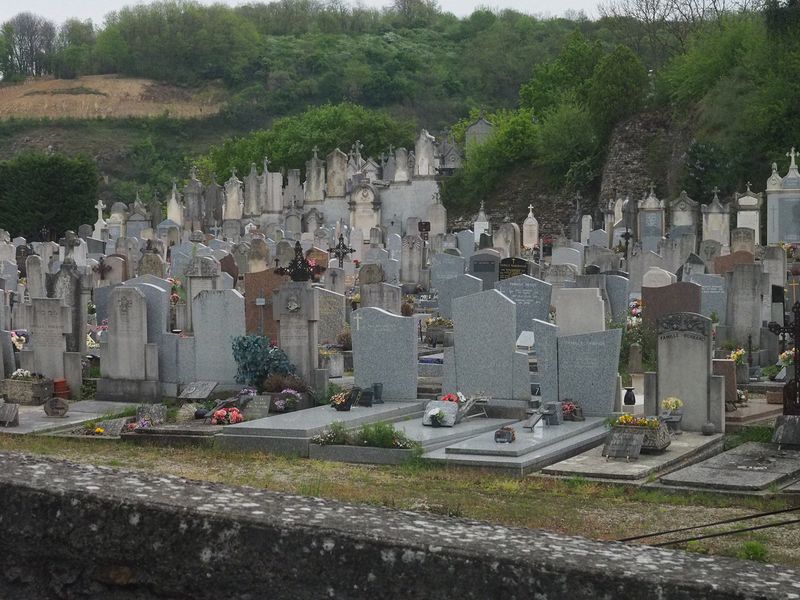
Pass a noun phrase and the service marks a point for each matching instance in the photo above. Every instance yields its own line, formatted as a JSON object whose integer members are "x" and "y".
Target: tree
{"x": 617, "y": 88}
{"x": 46, "y": 190}
{"x": 29, "y": 40}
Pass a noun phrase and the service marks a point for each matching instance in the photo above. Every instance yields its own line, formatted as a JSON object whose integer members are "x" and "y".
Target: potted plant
{"x": 288, "y": 400}
{"x": 436, "y": 330}
{"x": 742, "y": 371}
{"x": 342, "y": 401}
{"x": 656, "y": 433}
{"x": 572, "y": 411}
{"x": 332, "y": 359}
{"x": 437, "y": 417}
{"x": 24, "y": 387}
{"x": 673, "y": 413}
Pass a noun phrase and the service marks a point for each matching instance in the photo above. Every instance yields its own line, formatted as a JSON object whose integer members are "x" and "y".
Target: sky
{"x": 60, "y": 10}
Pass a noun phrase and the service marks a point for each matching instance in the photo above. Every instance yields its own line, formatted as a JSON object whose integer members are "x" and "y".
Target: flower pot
{"x": 342, "y": 407}
{"x": 655, "y": 439}
{"x": 334, "y": 362}
{"x": 377, "y": 393}
{"x": 673, "y": 420}
{"x": 630, "y": 397}
{"x": 30, "y": 393}
{"x": 742, "y": 374}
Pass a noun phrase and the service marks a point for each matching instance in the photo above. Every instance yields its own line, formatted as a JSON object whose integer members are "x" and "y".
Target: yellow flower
{"x": 99, "y": 430}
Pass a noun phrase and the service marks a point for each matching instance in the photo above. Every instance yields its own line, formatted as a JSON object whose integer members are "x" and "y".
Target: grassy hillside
{"x": 105, "y": 96}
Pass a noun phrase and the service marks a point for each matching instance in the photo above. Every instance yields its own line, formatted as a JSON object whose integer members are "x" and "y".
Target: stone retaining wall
{"x": 79, "y": 531}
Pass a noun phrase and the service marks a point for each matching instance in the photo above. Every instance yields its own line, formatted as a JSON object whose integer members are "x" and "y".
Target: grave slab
{"x": 437, "y": 437}
{"x": 594, "y": 465}
{"x": 750, "y": 467}
{"x": 32, "y": 419}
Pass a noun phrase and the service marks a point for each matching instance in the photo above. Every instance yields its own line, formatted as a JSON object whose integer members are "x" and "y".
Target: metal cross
{"x": 341, "y": 250}
{"x": 101, "y": 268}
{"x": 791, "y": 391}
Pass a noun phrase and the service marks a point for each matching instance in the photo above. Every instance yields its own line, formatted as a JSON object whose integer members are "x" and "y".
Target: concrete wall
{"x": 79, "y": 531}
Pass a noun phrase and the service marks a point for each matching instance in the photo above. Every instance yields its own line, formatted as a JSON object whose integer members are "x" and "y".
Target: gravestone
{"x": 385, "y": 351}
{"x": 713, "y": 296}
{"x": 466, "y": 243}
{"x": 681, "y": 297}
{"x": 56, "y": 407}
{"x": 743, "y": 240}
{"x": 485, "y": 265}
{"x": 579, "y": 310}
{"x": 296, "y": 309}
{"x": 331, "y": 315}
{"x": 445, "y": 266}
{"x": 618, "y": 290}
{"x": 50, "y": 324}
{"x": 9, "y": 415}
{"x": 726, "y": 263}
{"x": 197, "y": 391}
{"x": 129, "y": 365}
{"x": 684, "y": 368}
{"x": 745, "y": 285}
{"x": 512, "y": 267}
{"x": 258, "y": 293}
{"x": 219, "y": 317}
{"x": 456, "y": 287}
{"x": 623, "y": 443}
{"x": 588, "y": 365}
{"x": 485, "y": 360}
{"x": 532, "y": 297}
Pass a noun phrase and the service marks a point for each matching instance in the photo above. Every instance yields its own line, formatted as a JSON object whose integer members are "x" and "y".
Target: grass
{"x": 574, "y": 506}
{"x": 758, "y": 433}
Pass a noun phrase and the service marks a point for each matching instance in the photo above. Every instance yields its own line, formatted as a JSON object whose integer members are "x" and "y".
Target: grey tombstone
{"x": 532, "y": 297}
{"x": 684, "y": 365}
{"x": 745, "y": 285}
{"x": 394, "y": 244}
{"x": 743, "y": 239}
{"x": 331, "y": 315}
{"x": 588, "y": 365}
{"x": 198, "y": 390}
{"x": 485, "y": 265}
{"x": 385, "y": 351}
{"x": 218, "y": 318}
{"x": 708, "y": 251}
{"x": 381, "y": 295}
{"x": 485, "y": 356}
{"x": 466, "y": 243}
{"x": 618, "y": 290}
{"x": 456, "y": 287}
{"x": 598, "y": 237}
{"x": 445, "y": 266}
{"x": 295, "y": 305}
{"x": 713, "y": 296}
{"x": 129, "y": 365}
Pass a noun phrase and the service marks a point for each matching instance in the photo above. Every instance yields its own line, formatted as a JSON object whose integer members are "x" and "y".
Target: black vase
{"x": 377, "y": 393}
{"x": 630, "y": 397}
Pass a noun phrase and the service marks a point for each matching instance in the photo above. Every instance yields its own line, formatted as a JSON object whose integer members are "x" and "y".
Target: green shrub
{"x": 336, "y": 434}
{"x": 256, "y": 359}
{"x": 752, "y": 551}
{"x": 381, "y": 435}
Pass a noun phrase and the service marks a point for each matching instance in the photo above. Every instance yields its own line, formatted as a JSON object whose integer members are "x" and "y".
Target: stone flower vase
{"x": 742, "y": 373}
{"x": 630, "y": 397}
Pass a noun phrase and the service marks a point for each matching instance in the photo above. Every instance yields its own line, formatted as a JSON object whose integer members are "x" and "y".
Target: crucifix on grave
{"x": 341, "y": 250}
{"x": 71, "y": 241}
{"x": 626, "y": 237}
{"x": 101, "y": 268}
{"x": 791, "y": 391}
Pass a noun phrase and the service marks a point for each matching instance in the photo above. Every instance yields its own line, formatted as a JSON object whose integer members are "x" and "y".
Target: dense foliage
{"x": 288, "y": 142}
{"x": 256, "y": 359}
{"x": 43, "y": 189}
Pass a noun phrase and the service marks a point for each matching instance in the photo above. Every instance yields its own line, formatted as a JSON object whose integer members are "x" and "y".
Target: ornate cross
{"x": 101, "y": 268}
{"x": 315, "y": 149}
{"x": 341, "y": 250}
{"x": 715, "y": 191}
{"x": 791, "y": 391}
{"x": 792, "y": 154}
{"x": 627, "y": 237}
{"x": 71, "y": 241}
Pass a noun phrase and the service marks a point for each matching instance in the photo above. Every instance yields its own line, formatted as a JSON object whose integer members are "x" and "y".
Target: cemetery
{"x": 340, "y": 318}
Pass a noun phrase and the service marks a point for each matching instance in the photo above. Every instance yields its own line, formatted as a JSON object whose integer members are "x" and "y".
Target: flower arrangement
{"x": 671, "y": 403}
{"x": 90, "y": 343}
{"x": 226, "y": 416}
{"x": 629, "y": 420}
{"x": 340, "y": 399}
{"x": 437, "y": 417}
{"x": 18, "y": 340}
{"x": 439, "y": 322}
{"x": 327, "y": 352}
{"x": 143, "y": 423}
{"x": 506, "y": 434}
{"x": 787, "y": 358}
{"x": 568, "y": 409}
{"x": 356, "y": 298}
{"x": 457, "y": 398}
{"x": 25, "y": 375}
{"x": 737, "y": 356}
{"x": 289, "y": 400}
{"x": 356, "y": 263}
{"x": 741, "y": 397}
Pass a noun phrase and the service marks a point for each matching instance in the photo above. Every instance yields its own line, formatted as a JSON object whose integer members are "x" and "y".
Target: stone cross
{"x": 341, "y": 250}
{"x": 715, "y": 191}
{"x": 357, "y": 318}
{"x": 792, "y": 155}
{"x": 100, "y": 207}
{"x": 315, "y": 149}
{"x": 101, "y": 268}
{"x": 791, "y": 391}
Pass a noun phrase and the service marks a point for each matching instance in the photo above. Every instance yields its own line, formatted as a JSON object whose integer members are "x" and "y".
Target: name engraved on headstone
{"x": 482, "y": 266}
{"x": 625, "y": 444}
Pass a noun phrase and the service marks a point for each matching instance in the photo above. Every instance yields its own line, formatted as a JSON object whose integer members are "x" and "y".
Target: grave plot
{"x": 530, "y": 451}
{"x": 289, "y": 433}
{"x": 748, "y": 468}
{"x": 592, "y": 464}
{"x": 32, "y": 419}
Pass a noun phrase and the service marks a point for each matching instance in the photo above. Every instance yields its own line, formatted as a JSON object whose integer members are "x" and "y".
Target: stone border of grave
{"x": 360, "y": 454}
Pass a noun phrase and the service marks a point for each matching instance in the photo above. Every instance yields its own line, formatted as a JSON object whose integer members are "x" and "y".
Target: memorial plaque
{"x": 198, "y": 390}
{"x": 622, "y": 443}
{"x": 258, "y": 407}
{"x": 511, "y": 267}
{"x": 9, "y": 415}
{"x": 56, "y": 407}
